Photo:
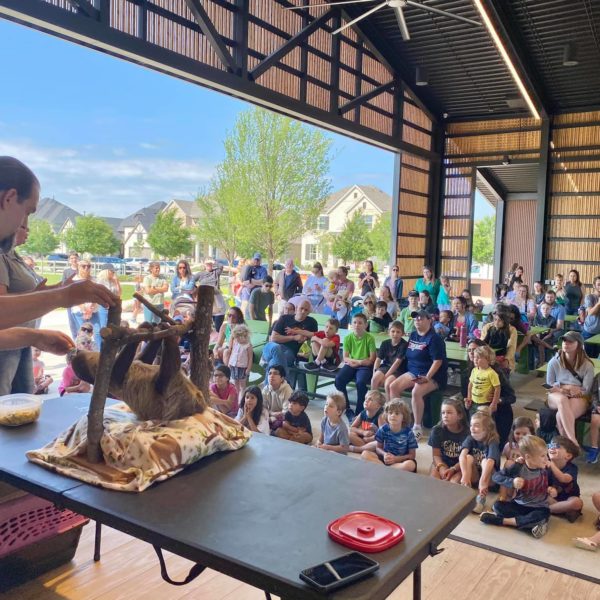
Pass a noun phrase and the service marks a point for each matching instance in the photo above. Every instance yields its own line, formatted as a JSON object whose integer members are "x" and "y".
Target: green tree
{"x": 273, "y": 182}
{"x": 380, "y": 237}
{"x": 353, "y": 243}
{"x": 41, "y": 239}
{"x": 222, "y": 222}
{"x": 93, "y": 235}
{"x": 484, "y": 233}
{"x": 168, "y": 237}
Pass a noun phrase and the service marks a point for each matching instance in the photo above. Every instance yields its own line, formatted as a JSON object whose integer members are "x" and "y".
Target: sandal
{"x": 585, "y": 544}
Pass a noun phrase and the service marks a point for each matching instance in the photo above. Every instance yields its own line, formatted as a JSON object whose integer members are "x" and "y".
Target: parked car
{"x": 57, "y": 257}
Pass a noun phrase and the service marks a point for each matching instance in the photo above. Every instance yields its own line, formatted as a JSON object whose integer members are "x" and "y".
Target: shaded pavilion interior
{"x": 469, "y": 128}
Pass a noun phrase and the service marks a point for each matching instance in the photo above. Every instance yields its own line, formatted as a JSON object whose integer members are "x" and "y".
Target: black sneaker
{"x": 572, "y": 515}
{"x": 540, "y": 530}
{"x": 329, "y": 367}
{"x": 312, "y": 366}
{"x": 490, "y": 518}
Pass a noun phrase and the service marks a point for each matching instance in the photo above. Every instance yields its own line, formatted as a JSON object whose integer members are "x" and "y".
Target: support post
{"x": 108, "y": 356}
{"x": 200, "y": 365}
{"x": 540, "y": 208}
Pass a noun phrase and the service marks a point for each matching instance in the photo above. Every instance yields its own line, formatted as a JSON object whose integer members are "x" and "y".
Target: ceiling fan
{"x": 397, "y": 6}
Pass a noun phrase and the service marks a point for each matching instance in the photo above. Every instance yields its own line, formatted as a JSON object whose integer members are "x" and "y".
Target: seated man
{"x": 289, "y": 333}
{"x": 262, "y": 300}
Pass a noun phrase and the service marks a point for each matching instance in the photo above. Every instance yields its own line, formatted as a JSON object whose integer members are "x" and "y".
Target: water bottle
{"x": 462, "y": 339}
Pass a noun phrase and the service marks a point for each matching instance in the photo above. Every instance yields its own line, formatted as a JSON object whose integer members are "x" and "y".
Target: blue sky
{"x": 107, "y": 137}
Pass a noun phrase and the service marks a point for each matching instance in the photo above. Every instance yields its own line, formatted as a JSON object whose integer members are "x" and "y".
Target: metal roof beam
{"x": 211, "y": 34}
{"x": 516, "y": 47}
{"x": 87, "y": 8}
{"x": 292, "y": 43}
{"x": 493, "y": 185}
{"x": 359, "y": 100}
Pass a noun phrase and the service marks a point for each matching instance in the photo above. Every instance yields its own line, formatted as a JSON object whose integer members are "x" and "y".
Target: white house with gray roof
{"x": 340, "y": 207}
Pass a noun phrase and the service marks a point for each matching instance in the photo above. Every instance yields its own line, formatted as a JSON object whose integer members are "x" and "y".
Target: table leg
{"x": 97, "y": 540}
{"x": 417, "y": 583}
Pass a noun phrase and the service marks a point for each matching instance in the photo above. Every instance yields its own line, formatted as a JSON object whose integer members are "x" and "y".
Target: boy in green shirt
{"x": 359, "y": 356}
{"x": 404, "y": 316}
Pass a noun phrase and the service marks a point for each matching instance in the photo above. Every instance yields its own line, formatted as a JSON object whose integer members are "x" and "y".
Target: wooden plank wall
{"x": 467, "y": 146}
{"x": 519, "y": 237}
{"x": 573, "y": 210}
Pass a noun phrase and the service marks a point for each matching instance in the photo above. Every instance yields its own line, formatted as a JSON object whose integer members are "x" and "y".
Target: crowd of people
{"x": 536, "y": 479}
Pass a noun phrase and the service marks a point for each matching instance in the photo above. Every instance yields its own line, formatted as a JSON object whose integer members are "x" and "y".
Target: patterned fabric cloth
{"x": 139, "y": 453}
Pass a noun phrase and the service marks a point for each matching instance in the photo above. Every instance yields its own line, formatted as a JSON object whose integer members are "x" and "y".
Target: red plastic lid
{"x": 365, "y": 532}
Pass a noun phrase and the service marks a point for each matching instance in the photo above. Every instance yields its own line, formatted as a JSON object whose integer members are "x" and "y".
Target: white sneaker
{"x": 417, "y": 432}
{"x": 479, "y": 504}
{"x": 540, "y": 530}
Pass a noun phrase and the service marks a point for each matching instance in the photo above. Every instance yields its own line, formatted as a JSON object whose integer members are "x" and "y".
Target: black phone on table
{"x": 339, "y": 572}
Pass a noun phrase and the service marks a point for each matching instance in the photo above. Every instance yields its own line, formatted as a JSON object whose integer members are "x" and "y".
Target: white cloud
{"x": 149, "y": 146}
{"x": 87, "y": 180}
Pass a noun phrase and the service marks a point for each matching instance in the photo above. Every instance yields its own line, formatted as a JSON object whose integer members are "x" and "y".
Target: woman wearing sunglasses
{"x": 88, "y": 312}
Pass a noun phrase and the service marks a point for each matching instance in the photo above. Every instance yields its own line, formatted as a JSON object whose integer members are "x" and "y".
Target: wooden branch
{"x": 200, "y": 366}
{"x": 161, "y": 315}
{"x": 108, "y": 355}
{"x": 126, "y": 336}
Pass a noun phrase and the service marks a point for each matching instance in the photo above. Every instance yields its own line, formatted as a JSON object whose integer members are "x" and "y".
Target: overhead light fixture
{"x": 570, "y": 55}
{"x": 421, "y": 78}
{"x": 504, "y": 54}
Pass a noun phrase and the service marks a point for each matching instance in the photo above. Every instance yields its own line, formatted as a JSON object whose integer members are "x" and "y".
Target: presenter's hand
{"x": 80, "y": 292}
{"x": 54, "y": 342}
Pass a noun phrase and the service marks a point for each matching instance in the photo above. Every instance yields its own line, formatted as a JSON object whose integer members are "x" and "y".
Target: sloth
{"x": 160, "y": 392}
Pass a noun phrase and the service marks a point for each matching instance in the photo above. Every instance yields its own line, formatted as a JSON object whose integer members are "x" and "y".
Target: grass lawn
{"x": 127, "y": 288}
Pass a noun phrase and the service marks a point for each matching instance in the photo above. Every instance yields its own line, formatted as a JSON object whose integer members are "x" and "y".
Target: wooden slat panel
{"x": 519, "y": 236}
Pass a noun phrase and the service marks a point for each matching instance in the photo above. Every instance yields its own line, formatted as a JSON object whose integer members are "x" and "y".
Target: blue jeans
{"x": 362, "y": 375}
{"x": 151, "y": 318}
{"x": 278, "y": 354}
{"x": 16, "y": 374}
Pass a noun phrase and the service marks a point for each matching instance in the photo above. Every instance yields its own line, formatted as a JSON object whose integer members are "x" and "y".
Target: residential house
{"x": 340, "y": 207}
{"x": 188, "y": 213}
{"x": 60, "y": 216}
{"x": 135, "y": 228}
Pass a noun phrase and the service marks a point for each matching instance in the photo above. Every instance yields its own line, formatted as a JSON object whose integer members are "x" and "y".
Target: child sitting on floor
{"x": 251, "y": 412}
{"x": 396, "y": 443}
{"x": 296, "y": 424}
{"x": 325, "y": 346}
{"x": 366, "y": 424}
{"x": 480, "y": 456}
{"x": 276, "y": 395}
{"x": 390, "y": 356}
{"x": 41, "y": 381}
{"x": 70, "y": 383}
{"x": 521, "y": 427}
{"x": 484, "y": 383}
{"x": 381, "y": 320}
{"x": 562, "y": 476}
{"x": 592, "y": 542}
{"x": 223, "y": 395}
{"x": 529, "y": 509}
{"x": 446, "y": 440}
{"x": 334, "y": 432}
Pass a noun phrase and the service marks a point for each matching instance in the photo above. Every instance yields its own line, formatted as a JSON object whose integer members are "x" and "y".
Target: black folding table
{"x": 259, "y": 514}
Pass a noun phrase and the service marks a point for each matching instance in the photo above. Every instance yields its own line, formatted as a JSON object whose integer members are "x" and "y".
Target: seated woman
{"x": 462, "y": 318}
{"x": 426, "y": 367}
{"x": 571, "y": 375}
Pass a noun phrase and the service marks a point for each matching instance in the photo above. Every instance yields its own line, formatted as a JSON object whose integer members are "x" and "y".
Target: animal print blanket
{"x": 139, "y": 453}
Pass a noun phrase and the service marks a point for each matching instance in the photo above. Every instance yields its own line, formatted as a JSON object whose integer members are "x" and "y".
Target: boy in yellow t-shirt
{"x": 484, "y": 383}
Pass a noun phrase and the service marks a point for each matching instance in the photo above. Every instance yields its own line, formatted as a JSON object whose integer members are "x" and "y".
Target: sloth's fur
{"x": 140, "y": 387}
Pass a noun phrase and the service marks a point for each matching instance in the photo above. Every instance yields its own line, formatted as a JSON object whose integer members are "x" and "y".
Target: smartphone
{"x": 547, "y": 386}
{"x": 339, "y": 572}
